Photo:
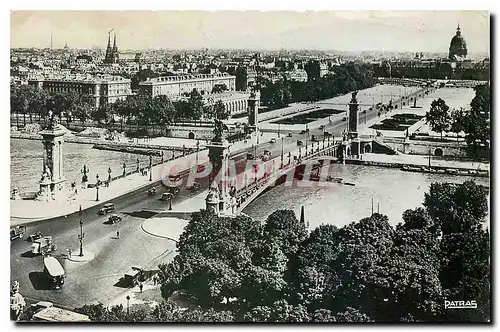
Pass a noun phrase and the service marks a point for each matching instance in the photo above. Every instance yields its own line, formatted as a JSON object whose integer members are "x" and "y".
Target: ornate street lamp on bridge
{"x": 150, "y": 168}
{"x": 281, "y": 153}
{"x": 81, "y": 235}
{"x": 97, "y": 188}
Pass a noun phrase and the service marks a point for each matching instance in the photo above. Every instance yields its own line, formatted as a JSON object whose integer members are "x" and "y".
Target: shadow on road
{"x": 40, "y": 281}
{"x": 28, "y": 254}
{"x": 122, "y": 283}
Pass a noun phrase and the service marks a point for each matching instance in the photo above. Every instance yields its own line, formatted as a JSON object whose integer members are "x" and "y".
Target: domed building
{"x": 458, "y": 47}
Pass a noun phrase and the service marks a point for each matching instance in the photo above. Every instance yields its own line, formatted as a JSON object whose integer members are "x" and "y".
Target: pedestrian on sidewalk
{"x": 117, "y": 234}
{"x": 69, "y": 253}
{"x": 141, "y": 286}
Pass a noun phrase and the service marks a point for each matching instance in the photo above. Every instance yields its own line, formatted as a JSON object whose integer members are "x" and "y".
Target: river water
{"x": 393, "y": 191}
{"x": 26, "y": 162}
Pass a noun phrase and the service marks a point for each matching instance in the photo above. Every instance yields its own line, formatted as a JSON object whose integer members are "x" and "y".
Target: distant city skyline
{"x": 395, "y": 31}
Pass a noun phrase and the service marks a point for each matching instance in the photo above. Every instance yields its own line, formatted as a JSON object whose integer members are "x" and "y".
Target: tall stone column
{"x": 52, "y": 181}
{"x": 353, "y": 134}
{"x": 253, "y": 110}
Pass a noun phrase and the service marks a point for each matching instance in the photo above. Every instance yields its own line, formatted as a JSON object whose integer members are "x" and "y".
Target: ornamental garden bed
{"x": 309, "y": 117}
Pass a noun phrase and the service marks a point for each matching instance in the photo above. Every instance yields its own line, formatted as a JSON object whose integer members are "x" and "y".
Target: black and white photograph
{"x": 249, "y": 166}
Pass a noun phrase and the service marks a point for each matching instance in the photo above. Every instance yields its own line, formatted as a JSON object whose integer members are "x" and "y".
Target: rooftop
{"x": 82, "y": 78}
{"x": 185, "y": 78}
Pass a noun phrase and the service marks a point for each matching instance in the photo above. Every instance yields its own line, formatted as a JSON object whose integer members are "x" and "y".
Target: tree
{"x": 310, "y": 269}
{"x": 278, "y": 312}
{"x": 196, "y": 105}
{"x": 220, "y": 111}
{"x": 458, "y": 121}
{"x": 218, "y": 88}
{"x": 460, "y": 211}
{"x": 477, "y": 120}
{"x": 439, "y": 117}
{"x": 457, "y": 208}
{"x": 352, "y": 315}
{"x": 19, "y": 100}
{"x": 283, "y": 227}
{"x": 214, "y": 256}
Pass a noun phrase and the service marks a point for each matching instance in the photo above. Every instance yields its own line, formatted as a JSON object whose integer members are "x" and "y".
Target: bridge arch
{"x": 191, "y": 135}
{"x": 438, "y": 152}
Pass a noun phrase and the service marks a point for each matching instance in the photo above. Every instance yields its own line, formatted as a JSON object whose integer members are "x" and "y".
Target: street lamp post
{"x": 170, "y": 197}
{"x": 128, "y": 304}
{"x": 124, "y": 169}
{"x": 197, "y": 150}
{"x": 279, "y": 129}
{"x": 281, "y": 152}
{"x": 150, "y": 168}
{"x": 82, "y": 235}
{"x": 162, "y": 156}
{"x": 97, "y": 188}
{"x": 137, "y": 163}
{"x": 109, "y": 175}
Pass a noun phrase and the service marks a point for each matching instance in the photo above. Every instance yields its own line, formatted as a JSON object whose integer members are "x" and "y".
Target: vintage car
{"x": 108, "y": 207}
{"x": 250, "y": 156}
{"x": 174, "y": 190}
{"x": 114, "y": 218}
{"x": 54, "y": 271}
{"x": 166, "y": 196}
{"x": 35, "y": 236}
{"x": 289, "y": 135}
{"x": 152, "y": 191}
{"x": 43, "y": 245}
{"x": 273, "y": 140}
{"x": 17, "y": 232}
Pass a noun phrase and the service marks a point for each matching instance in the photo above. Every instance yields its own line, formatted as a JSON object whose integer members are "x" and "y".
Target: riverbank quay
{"x": 26, "y": 211}
{"x": 418, "y": 163}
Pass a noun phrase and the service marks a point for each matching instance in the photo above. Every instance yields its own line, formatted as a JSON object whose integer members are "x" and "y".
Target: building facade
{"x": 175, "y": 86}
{"x": 234, "y": 101}
{"x": 103, "y": 89}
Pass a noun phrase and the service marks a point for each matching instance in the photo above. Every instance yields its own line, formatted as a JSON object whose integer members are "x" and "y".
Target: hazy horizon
{"x": 341, "y": 31}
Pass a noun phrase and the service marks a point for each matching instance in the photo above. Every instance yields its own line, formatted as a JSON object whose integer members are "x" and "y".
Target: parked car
{"x": 195, "y": 187}
{"x": 17, "y": 232}
{"x": 327, "y": 134}
{"x": 289, "y": 135}
{"x": 114, "y": 218}
{"x": 43, "y": 245}
{"x": 250, "y": 156}
{"x": 35, "y": 236}
{"x": 273, "y": 140}
{"x": 108, "y": 207}
{"x": 300, "y": 143}
{"x": 152, "y": 191}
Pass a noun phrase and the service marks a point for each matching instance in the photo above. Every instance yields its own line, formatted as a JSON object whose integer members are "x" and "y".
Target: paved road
{"x": 96, "y": 280}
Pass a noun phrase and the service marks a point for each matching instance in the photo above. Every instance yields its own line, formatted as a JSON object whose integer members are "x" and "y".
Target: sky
{"x": 403, "y": 31}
